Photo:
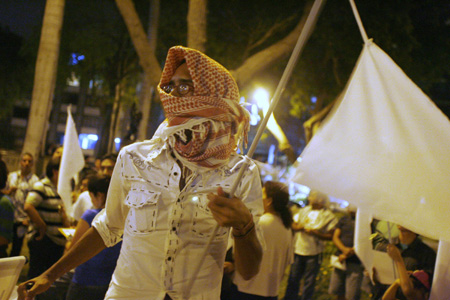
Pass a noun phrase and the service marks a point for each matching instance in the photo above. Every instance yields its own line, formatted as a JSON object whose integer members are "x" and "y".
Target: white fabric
{"x": 279, "y": 253}
{"x": 385, "y": 148}
{"x": 10, "y": 268}
{"x": 165, "y": 230}
{"x": 72, "y": 161}
{"x": 82, "y": 204}
{"x": 322, "y": 220}
{"x": 441, "y": 278}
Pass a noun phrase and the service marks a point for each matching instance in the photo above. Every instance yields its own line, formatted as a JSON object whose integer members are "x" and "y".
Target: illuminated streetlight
{"x": 262, "y": 99}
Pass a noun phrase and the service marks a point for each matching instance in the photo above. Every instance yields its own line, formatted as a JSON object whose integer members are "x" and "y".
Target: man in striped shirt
{"x": 46, "y": 211}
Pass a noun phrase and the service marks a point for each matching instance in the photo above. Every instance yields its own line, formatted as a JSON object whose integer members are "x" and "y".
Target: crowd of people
{"x": 158, "y": 220}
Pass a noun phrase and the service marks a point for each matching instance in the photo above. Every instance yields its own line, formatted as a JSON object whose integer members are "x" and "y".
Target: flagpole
{"x": 358, "y": 20}
{"x": 304, "y": 35}
{"x": 391, "y": 242}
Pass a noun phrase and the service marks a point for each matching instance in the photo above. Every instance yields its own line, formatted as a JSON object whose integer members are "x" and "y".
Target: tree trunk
{"x": 146, "y": 94}
{"x": 147, "y": 58}
{"x": 44, "y": 78}
{"x": 196, "y": 23}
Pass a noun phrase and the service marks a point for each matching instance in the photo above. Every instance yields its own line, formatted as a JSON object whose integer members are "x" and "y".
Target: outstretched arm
{"x": 346, "y": 251}
{"x": 231, "y": 212}
{"x": 87, "y": 247}
{"x": 404, "y": 281}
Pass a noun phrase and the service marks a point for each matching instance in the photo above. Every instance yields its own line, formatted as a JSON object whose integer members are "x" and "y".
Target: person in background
{"x": 19, "y": 183}
{"x": 416, "y": 256}
{"x": 91, "y": 279}
{"x": 414, "y": 285}
{"x": 46, "y": 212}
{"x": 6, "y": 215}
{"x": 275, "y": 225}
{"x": 57, "y": 153}
{"x": 346, "y": 284}
{"x": 84, "y": 201}
{"x": 313, "y": 225}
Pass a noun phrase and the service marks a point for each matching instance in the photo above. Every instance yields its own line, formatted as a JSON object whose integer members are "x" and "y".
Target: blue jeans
{"x": 305, "y": 267}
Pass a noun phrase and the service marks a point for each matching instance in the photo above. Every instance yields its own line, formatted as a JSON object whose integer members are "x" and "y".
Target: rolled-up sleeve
{"x": 110, "y": 222}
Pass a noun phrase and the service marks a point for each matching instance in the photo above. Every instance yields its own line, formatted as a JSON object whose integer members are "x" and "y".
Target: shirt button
{"x": 169, "y": 258}
{"x": 175, "y": 173}
{"x": 174, "y": 229}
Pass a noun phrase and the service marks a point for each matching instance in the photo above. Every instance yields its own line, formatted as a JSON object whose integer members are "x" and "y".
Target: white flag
{"x": 72, "y": 161}
{"x": 385, "y": 148}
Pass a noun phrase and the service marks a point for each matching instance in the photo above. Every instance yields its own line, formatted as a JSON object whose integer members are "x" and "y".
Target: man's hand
{"x": 228, "y": 267}
{"x": 394, "y": 253}
{"x": 38, "y": 285}
{"x": 228, "y": 212}
{"x": 42, "y": 228}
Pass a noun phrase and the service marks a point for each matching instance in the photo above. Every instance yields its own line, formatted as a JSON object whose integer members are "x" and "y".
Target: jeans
{"x": 305, "y": 267}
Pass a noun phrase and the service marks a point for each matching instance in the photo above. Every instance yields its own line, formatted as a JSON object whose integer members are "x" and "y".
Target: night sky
{"x": 21, "y": 16}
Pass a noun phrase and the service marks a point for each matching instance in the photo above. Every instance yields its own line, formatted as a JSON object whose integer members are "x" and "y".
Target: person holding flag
{"x": 168, "y": 194}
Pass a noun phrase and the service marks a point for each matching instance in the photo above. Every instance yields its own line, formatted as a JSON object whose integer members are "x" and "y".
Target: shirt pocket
{"x": 143, "y": 212}
{"x": 203, "y": 222}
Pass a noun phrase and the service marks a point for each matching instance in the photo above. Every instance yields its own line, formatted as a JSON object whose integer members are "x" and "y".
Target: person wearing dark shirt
{"x": 346, "y": 284}
{"x": 415, "y": 253}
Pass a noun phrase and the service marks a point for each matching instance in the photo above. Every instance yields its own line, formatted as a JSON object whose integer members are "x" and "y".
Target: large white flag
{"x": 72, "y": 161}
{"x": 384, "y": 148}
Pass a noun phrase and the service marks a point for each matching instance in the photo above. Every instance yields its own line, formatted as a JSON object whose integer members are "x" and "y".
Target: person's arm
{"x": 405, "y": 282}
{"x": 346, "y": 251}
{"x": 391, "y": 291}
{"x": 297, "y": 226}
{"x": 36, "y": 219}
{"x": 321, "y": 235}
{"x": 82, "y": 227}
{"x": 231, "y": 212}
{"x": 87, "y": 247}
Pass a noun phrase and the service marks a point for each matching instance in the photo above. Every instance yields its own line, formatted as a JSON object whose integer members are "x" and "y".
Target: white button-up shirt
{"x": 164, "y": 229}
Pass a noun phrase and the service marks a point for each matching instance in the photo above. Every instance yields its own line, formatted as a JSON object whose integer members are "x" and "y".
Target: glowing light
{"x": 92, "y": 137}
{"x": 117, "y": 140}
{"x": 195, "y": 199}
{"x": 262, "y": 98}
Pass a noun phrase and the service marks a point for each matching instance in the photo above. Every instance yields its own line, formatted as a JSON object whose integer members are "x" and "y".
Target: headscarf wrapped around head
{"x": 213, "y": 114}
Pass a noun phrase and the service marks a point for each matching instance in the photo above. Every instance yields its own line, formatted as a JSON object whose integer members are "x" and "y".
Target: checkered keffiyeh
{"x": 213, "y": 114}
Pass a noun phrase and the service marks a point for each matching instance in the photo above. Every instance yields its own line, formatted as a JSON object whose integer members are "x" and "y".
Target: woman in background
{"x": 275, "y": 225}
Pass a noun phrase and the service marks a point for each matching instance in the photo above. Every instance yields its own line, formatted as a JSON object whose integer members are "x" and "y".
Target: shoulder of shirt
{"x": 142, "y": 148}
{"x": 39, "y": 185}
{"x": 84, "y": 194}
{"x": 6, "y": 200}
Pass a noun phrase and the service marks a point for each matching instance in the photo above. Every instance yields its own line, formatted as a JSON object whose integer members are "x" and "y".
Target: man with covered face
{"x": 167, "y": 194}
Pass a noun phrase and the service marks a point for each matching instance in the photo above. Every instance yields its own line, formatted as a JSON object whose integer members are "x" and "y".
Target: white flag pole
{"x": 304, "y": 35}
{"x": 358, "y": 20}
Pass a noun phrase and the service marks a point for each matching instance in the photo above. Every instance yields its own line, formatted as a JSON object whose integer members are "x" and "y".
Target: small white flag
{"x": 72, "y": 161}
